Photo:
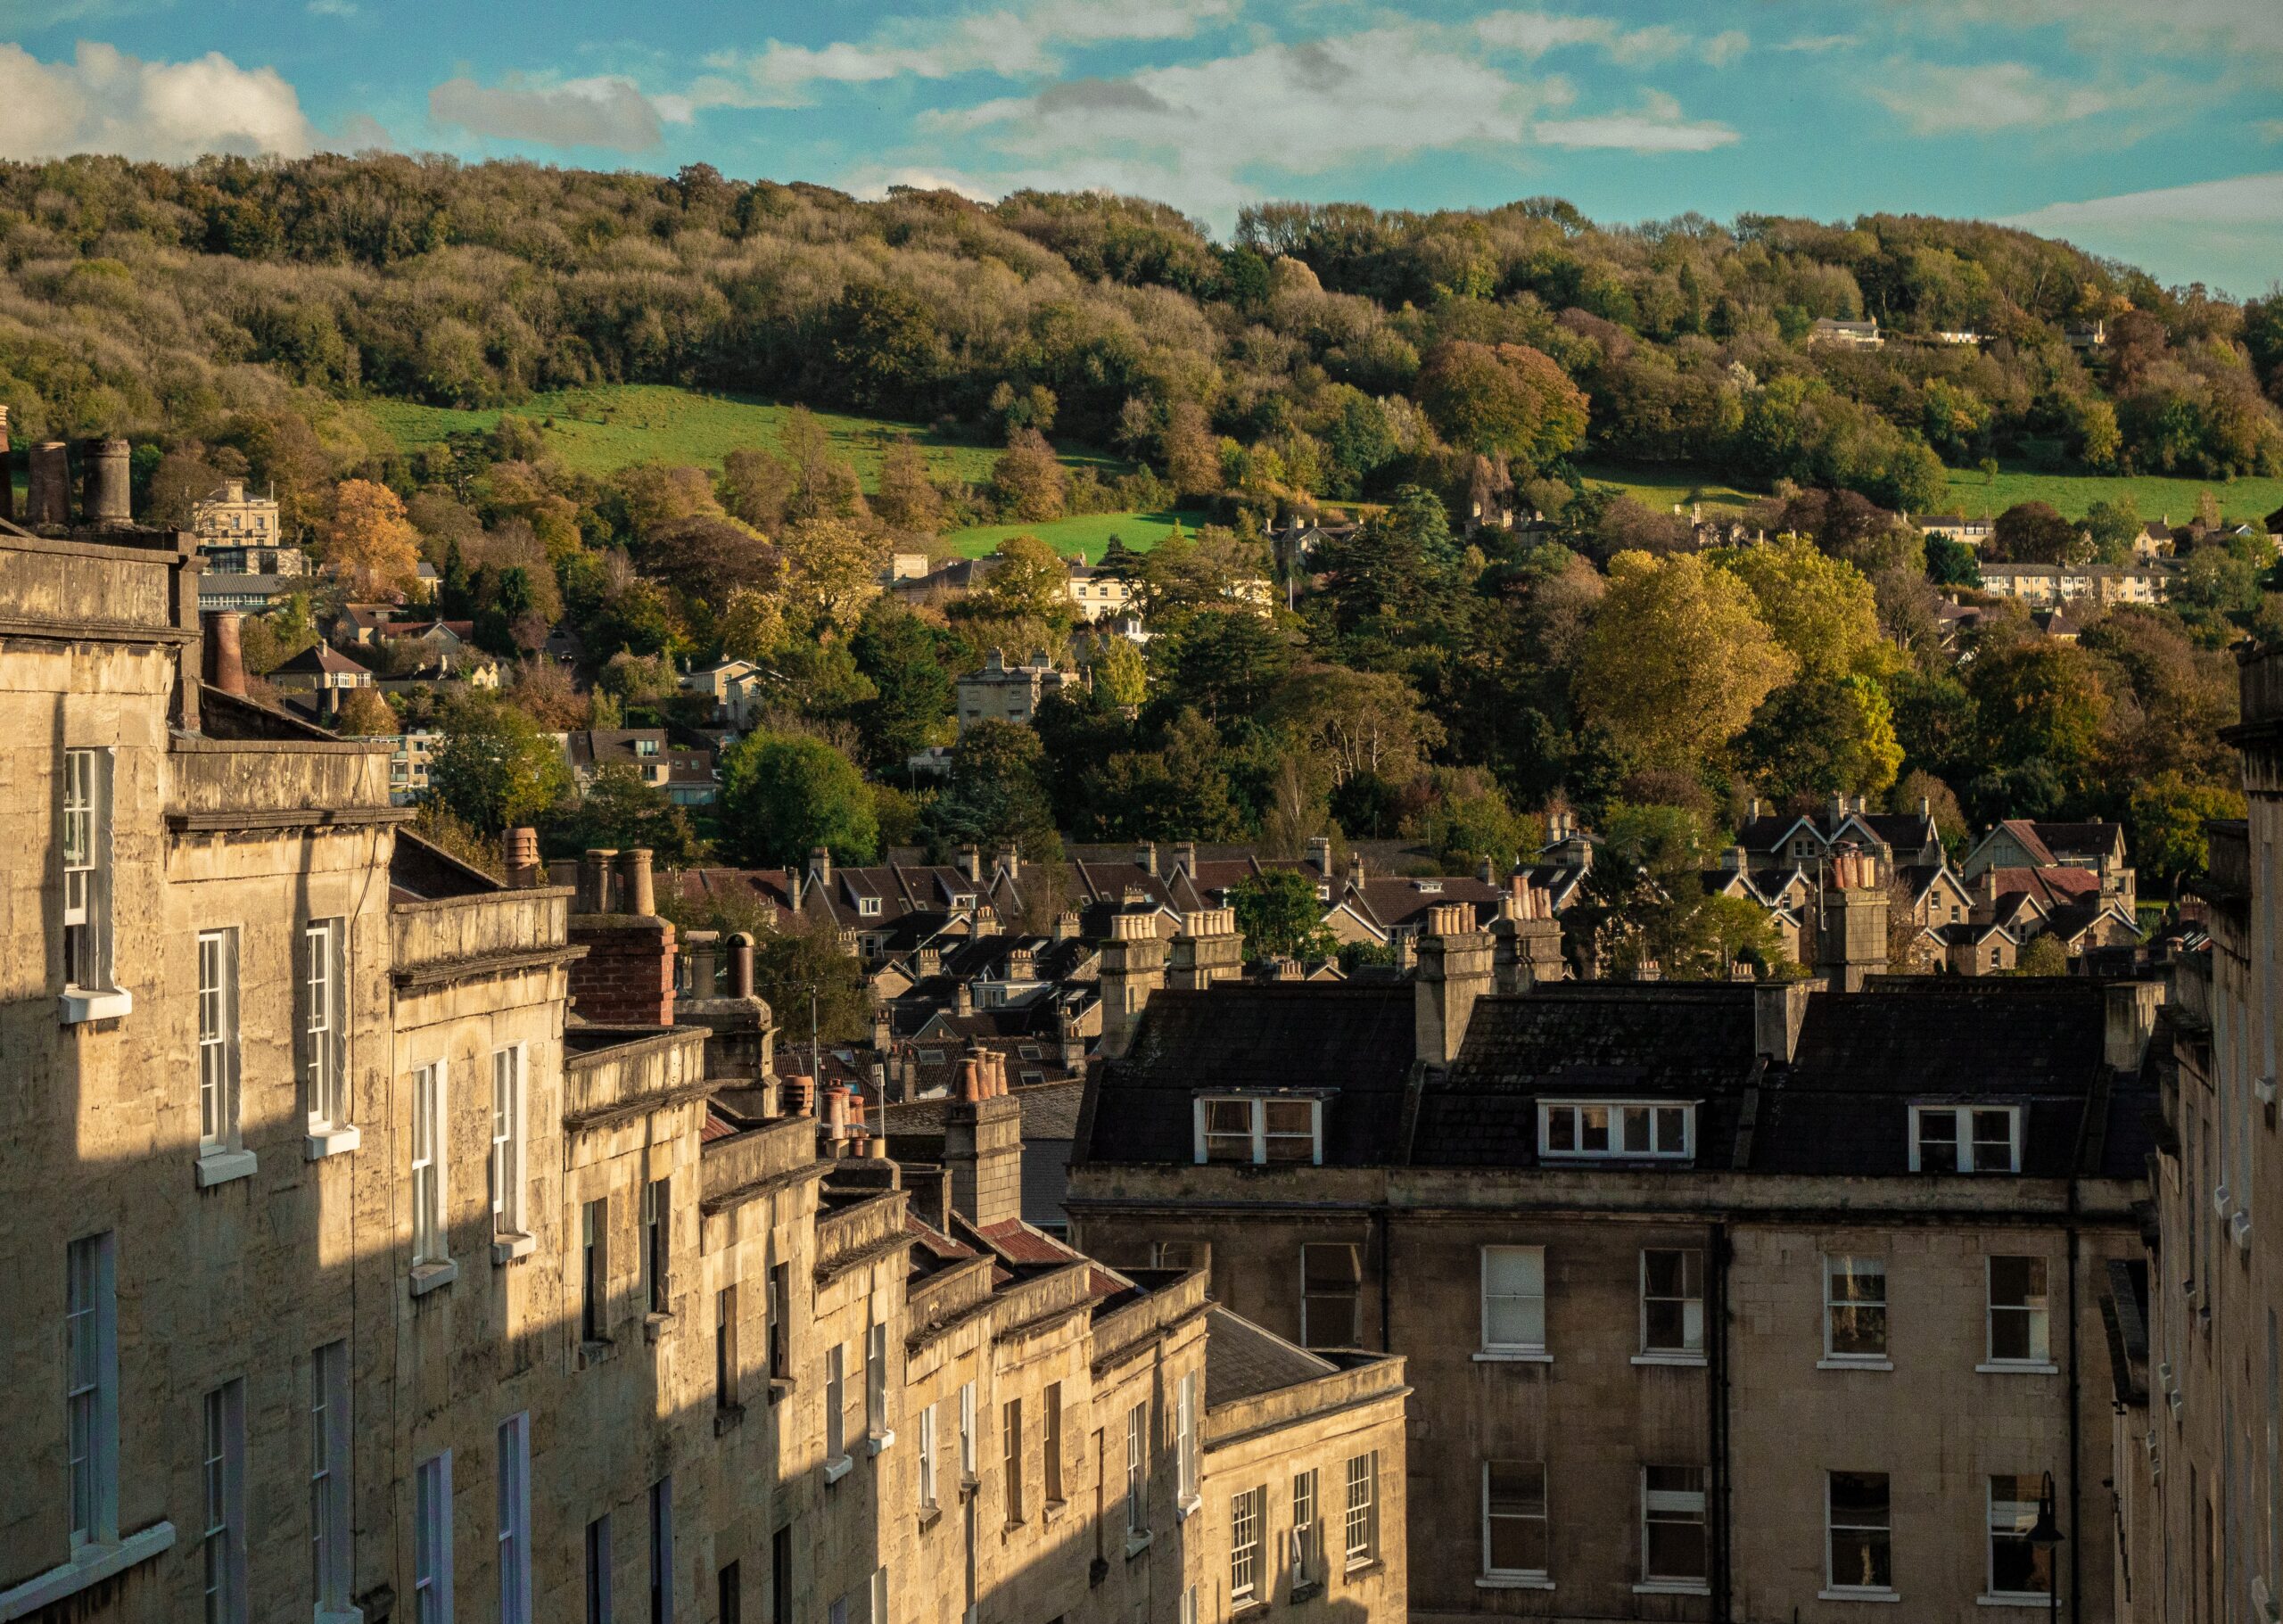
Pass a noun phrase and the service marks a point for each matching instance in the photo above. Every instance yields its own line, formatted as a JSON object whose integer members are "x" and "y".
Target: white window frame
{"x": 1355, "y": 1322}
{"x": 1856, "y": 1266}
{"x": 877, "y": 1420}
{"x": 594, "y": 1270}
{"x": 1523, "y": 1350}
{"x": 728, "y": 1384}
{"x": 218, "y": 1064}
{"x": 1834, "y": 1587}
{"x": 2039, "y": 1360}
{"x": 1257, "y": 1106}
{"x": 223, "y": 1478}
{"x": 1675, "y": 1507}
{"x": 325, "y": 1025}
{"x": 1185, "y": 1478}
{"x": 2014, "y": 1529}
{"x": 878, "y": 1613}
{"x": 967, "y": 1431}
{"x": 1691, "y": 1339}
{"x": 85, "y": 839}
{"x": 431, "y": 1540}
{"x": 836, "y": 1396}
{"x": 1543, "y": 1519}
{"x": 330, "y": 1468}
{"x": 1248, "y": 1512}
{"x": 1308, "y": 1528}
{"x": 510, "y": 1102}
{"x": 1137, "y": 1470}
{"x": 1658, "y": 1118}
{"x": 1970, "y": 1158}
{"x": 927, "y": 1458}
{"x": 514, "y": 1519}
{"x": 657, "y": 1242}
{"x": 431, "y": 1234}
{"x": 1360, "y": 1525}
{"x": 1010, "y": 1458}
{"x": 91, "y": 1389}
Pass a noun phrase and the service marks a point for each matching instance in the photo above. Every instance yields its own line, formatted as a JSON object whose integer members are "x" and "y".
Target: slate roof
{"x": 1243, "y": 1361}
{"x": 1050, "y": 1110}
{"x": 1586, "y": 1040}
{"x": 1355, "y": 1038}
{"x": 319, "y": 659}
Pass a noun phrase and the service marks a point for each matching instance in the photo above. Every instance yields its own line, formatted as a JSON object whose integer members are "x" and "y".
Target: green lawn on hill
{"x": 602, "y": 429}
{"x": 1087, "y": 536}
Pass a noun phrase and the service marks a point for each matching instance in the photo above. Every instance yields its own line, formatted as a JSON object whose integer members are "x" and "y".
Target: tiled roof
{"x": 1243, "y": 1361}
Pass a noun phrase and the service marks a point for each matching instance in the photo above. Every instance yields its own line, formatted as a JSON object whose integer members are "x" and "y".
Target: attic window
{"x": 1430, "y": 886}
{"x": 1579, "y": 1130}
{"x": 931, "y": 1057}
{"x": 1028, "y": 1052}
{"x": 963, "y": 899}
{"x": 1253, "y": 1130}
{"x": 1965, "y": 1139}
{"x": 1033, "y": 1077}
{"x": 868, "y": 907}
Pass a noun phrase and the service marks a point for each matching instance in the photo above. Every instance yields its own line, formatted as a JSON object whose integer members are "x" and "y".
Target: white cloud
{"x": 332, "y": 8}
{"x": 2125, "y": 28}
{"x": 104, "y": 100}
{"x": 1819, "y": 44}
{"x": 1534, "y": 33}
{"x": 2230, "y": 230}
{"x": 1942, "y": 98}
{"x": 599, "y": 112}
{"x": 2270, "y": 129}
{"x": 1007, "y": 43}
{"x": 1657, "y": 127}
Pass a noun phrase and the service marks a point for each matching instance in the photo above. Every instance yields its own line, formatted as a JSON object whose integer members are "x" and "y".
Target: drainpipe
{"x": 2076, "y": 1537}
{"x": 1380, "y": 1222}
{"x": 1717, "y": 1400}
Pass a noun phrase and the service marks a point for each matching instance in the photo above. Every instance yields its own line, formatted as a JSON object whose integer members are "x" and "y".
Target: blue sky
{"x": 2150, "y": 131}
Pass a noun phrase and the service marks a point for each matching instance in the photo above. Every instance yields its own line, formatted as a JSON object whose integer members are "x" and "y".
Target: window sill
{"x": 727, "y": 1418}
{"x": 835, "y": 1470}
{"x": 222, "y": 1166}
{"x": 1673, "y": 1586}
{"x": 1052, "y": 1512}
{"x": 91, "y": 1566}
{"x": 2263, "y": 1091}
{"x": 1248, "y": 1607}
{"x": 79, "y": 1006}
{"x": 322, "y": 1142}
{"x": 595, "y": 1352}
{"x": 1690, "y": 1360}
{"x": 352, "y": 1615}
{"x": 1307, "y": 1590}
{"x": 1186, "y": 1506}
{"x": 780, "y": 1388}
{"x": 1365, "y": 1566}
{"x": 654, "y": 1325}
{"x": 1513, "y": 1582}
{"x": 2239, "y": 1226}
{"x": 929, "y": 1516}
{"x": 1137, "y": 1542}
{"x": 2017, "y": 1367}
{"x": 1845, "y": 1362}
{"x": 1848, "y": 1593}
{"x": 507, "y": 1249}
{"x": 2021, "y": 1598}
{"x": 878, "y": 1444}
{"x": 1510, "y": 1356}
{"x": 428, "y": 1277}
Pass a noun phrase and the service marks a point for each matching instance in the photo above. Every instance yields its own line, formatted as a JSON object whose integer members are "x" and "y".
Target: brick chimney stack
{"x": 1207, "y": 949}
{"x": 1526, "y": 939}
{"x": 1851, "y": 934}
{"x": 627, "y": 978}
{"x": 1455, "y": 970}
{"x": 1133, "y": 967}
{"x": 48, "y": 485}
{"x": 224, "y": 665}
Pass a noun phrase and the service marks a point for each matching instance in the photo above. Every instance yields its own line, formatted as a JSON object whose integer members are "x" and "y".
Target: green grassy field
{"x": 601, "y": 430}
{"x": 1973, "y": 494}
{"x": 1089, "y": 535}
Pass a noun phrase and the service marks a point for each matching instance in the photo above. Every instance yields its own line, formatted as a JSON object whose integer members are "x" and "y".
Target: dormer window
{"x": 1581, "y": 1130}
{"x": 1431, "y": 887}
{"x": 646, "y": 747}
{"x": 868, "y": 907}
{"x": 963, "y": 899}
{"x": 1255, "y": 1130}
{"x": 1965, "y": 1139}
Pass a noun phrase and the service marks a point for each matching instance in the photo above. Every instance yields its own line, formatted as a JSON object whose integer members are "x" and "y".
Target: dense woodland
{"x": 1436, "y": 681}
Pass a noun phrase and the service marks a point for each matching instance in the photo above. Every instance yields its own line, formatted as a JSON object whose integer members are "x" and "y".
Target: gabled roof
{"x": 1243, "y": 1361}
{"x": 320, "y": 659}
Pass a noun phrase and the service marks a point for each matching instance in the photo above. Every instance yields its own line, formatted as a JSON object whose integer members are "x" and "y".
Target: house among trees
{"x": 1844, "y": 334}
{"x": 239, "y": 535}
{"x": 1001, "y": 692}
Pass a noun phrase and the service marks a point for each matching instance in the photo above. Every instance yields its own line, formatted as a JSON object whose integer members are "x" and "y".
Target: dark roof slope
{"x": 1588, "y": 1040}
{"x": 1357, "y": 1039}
{"x": 1243, "y": 1361}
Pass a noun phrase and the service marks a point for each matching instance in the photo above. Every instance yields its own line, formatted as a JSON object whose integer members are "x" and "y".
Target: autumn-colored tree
{"x": 369, "y": 543}
{"x": 1509, "y": 399}
{"x": 908, "y": 499}
{"x": 1822, "y": 610}
{"x": 1191, "y": 454}
{"x": 1678, "y": 659}
{"x": 711, "y": 557}
{"x": 364, "y": 713}
{"x": 2035, "y": 533}
{"x": 832, "y": 568}
{"x": 1028, "y": 478}
{"x": 1028, "y": 582}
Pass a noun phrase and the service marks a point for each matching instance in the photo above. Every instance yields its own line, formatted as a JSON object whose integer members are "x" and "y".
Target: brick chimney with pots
{"x": 983, "y": 1144}
{"x": 627, "y": 978}
{"x": 1455, "y": 969}
{"x": 1133, "y": 967}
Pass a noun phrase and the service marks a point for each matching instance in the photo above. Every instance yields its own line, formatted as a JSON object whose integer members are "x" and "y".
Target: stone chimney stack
{"x": 821, "y": 867}
{"x": 107, "y": 498}
{"x": 1009, "y": 860}
{"x": 1185, "y": 858}
{"x": 1455, "y": 969}
{"x": 224, "y": 665}
{"x": 1145, "y": 857}
{"x": 1319, "y": 854}
{"x": 1133, "y": 967}
{"x": 48, "y": 485}
{"x": 1207, "y": 949}
{"x": 1526, "y": 939}
{"x": 971, "y": 864}
{"x": 627, "y": 978}
{"x": 982, "y": 1147}
{"x": 740, "y": 964}
{"x": 1851, "y": 923}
